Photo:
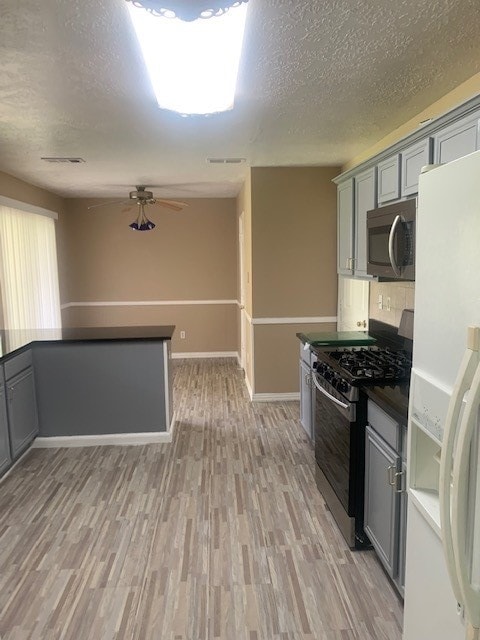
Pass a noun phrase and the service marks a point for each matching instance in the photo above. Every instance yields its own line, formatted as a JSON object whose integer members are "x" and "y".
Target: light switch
{"x": 380, "y": 301}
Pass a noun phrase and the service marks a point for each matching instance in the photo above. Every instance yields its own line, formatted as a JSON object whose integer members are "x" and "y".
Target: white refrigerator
{"x": 442, "y": 600}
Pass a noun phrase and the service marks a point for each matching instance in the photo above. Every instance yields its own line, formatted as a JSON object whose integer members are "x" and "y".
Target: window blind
{"x": 28, "y": 271}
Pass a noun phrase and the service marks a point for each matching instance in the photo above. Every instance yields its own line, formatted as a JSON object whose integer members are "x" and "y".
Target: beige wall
{"x": 190, "y": 255}
{"x": 293, "y": 240}
{"x": 468, "y": 89}
{"x": 277, "y": 355}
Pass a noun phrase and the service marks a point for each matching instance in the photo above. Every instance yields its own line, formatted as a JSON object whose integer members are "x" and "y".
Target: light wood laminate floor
{"x": 220, "y": 534}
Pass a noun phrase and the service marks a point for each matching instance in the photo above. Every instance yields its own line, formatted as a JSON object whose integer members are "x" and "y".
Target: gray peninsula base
{"x": 95, "y": 388}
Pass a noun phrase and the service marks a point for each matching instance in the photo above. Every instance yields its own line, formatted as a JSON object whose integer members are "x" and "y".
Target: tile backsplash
{"x": 395, "y": 296}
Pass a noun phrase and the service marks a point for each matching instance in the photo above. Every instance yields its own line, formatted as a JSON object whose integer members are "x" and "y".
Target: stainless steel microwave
{"x": 391, "y": 241}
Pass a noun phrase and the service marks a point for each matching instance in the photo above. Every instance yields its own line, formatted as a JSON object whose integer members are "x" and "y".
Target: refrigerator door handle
{"x": 462, "y": 384}
{"x": 391, "y": 247}
{"x": 471, "y": 597}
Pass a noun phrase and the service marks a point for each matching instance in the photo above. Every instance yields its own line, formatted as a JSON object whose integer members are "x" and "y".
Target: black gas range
{"x": 348, "y": 368}
{"x": 340, "y": 378}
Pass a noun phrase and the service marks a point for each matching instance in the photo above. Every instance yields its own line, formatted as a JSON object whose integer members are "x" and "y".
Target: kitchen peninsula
{"x": 81, "y": 386}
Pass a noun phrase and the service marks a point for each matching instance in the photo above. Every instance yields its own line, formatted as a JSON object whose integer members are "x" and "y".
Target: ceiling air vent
{"x": 68, "y": 160}
{"x": 225, "y": 160}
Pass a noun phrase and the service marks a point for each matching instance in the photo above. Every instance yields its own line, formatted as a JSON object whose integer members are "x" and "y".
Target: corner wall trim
{"x": 249, "y": 388}
{"x": 178, "y": 355}
{"x": 144, "y": 303}
{"x": 275, "y": 397}
{"x": 307, "y": 320}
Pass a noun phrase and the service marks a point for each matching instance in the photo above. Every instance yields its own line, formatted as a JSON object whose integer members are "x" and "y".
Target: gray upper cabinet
{"x": 345, "y": 229}
{"x": 413, "y": 159}
{"x": 5, "y": 457}
{"x": 22, "y": 411}
{"x": 365, "y": 199}
{"x": 388, "y": 179}
{"x": 457, "y": 140}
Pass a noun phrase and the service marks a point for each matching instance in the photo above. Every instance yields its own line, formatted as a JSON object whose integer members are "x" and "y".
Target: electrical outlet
{"x": 389, "y": 308}
{"x": 380, "y": 301}
{"x": 182, "y": 335}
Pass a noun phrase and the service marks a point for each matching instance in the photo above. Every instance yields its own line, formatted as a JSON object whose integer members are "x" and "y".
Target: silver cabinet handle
{"x": 362, "y": 323}
{"x": 399, "y": 480}
{"x": 329, "y": 396}
{"x": 308, "y": 380}
{"x": 391, "y": 472}
{"x": 391, "y": 249}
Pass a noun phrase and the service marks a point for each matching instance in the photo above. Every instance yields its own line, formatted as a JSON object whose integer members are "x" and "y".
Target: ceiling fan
{"x": 142, "y": 198}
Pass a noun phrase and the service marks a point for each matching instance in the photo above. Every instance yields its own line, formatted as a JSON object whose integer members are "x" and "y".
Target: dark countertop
{"x": 16, "y": 340}
{"x": 393, "y": 400}
{"x": 337, "y": 338}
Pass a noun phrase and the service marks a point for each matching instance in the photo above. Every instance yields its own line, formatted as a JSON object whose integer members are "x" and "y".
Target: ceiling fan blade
{"x": 104, "y": 204}
{"x": 175, "y": 205}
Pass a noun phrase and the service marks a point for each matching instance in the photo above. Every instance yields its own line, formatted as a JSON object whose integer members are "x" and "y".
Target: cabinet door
{"x": 345, "y": 228}
{"x": 5, "y": 458}
{"x": 22, "y": 411}
{"x": 381, "y": 499}
{"x": 402, "y": 541}
{"x": 365, "y": 192}
{"x": 457, "y": 140}
{"x": 388, "y": 182}
{"x": 413, "y": 159}
{"x": 305, "y": 398}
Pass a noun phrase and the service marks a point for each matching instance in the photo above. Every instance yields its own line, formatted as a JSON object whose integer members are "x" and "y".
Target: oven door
{"x": 334, "y": 419}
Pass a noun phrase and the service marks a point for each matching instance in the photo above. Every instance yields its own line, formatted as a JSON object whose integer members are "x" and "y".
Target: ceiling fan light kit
{"x": 187, "y": 10}
{"x": 142, "y": 198}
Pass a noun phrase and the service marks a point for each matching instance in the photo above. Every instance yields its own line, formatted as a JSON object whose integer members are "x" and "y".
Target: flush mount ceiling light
{"x": 187, "y": 10}
{"x": 192, "y": 65}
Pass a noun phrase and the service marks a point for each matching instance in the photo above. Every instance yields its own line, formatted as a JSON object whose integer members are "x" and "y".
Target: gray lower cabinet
{"x": 402, "y": 538}
{"x": 22, "y": 411}
{"x": 306, "y": 397}
{"x": 5, "y": 455}
{"x": 382, "y": 501}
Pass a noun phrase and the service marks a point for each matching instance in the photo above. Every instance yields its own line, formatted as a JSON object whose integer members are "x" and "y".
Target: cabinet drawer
{"x": 384, "y": 425}
{"x": 17, "y": 364}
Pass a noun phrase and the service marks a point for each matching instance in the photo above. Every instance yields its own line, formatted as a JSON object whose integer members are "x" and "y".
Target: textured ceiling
{"x": 319, "y": 82}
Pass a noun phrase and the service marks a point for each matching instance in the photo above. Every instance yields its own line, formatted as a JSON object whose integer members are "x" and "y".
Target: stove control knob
{"x": 342, "y": 386}
{"x": 329, "y": 375}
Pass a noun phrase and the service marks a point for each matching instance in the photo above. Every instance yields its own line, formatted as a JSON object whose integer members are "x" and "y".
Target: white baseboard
{"x": 117, "y": 439}
{"x": 275, "y": 397}
{"x": 205, "y": 354}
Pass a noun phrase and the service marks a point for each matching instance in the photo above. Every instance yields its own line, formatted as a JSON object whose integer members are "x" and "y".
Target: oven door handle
{"x": 391, "y": 248}
{"x": 329, "y": 396}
